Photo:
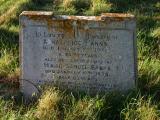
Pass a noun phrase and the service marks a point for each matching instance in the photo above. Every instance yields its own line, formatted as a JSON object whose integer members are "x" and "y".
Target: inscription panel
{"x": 88, "y": 59}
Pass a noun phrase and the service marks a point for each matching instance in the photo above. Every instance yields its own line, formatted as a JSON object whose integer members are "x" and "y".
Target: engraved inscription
{"x": 89, "y": 55}
{"x": 78, "y": 60}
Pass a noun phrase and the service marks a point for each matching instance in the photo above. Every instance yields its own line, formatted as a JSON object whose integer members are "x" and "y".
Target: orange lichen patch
{"x": 67, "y": 22}
{"x": 41, "y": 15}
{"x": 70, "y": 23}
{"x": 116, "y": 16}
{"x": 88, "y": 18}
{"x": 47, "y": 17}
{"x": 68, "y": 28}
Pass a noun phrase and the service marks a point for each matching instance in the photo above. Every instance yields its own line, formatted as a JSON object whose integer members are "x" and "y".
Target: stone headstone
{"x": 86, "y": 53}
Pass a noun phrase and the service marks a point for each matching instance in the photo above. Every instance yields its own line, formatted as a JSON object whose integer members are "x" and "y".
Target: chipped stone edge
{"x": 103, "y": 17}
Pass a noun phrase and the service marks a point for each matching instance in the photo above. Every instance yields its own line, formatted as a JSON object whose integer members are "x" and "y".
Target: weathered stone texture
{"x": 92, "y": 54}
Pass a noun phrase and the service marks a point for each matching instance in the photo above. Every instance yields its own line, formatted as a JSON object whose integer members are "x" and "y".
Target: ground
{"x": 141, "y": 104}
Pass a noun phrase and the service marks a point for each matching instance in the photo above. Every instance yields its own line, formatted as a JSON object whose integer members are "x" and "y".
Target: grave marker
{"x": 88, "y": 53}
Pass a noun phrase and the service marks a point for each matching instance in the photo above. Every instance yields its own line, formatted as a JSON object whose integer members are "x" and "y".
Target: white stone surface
{"x": 92, "y": 54}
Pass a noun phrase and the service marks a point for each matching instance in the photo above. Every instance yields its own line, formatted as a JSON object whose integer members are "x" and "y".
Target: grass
{"x": 47, "y": 107}
{"x": 97, "y": 7}
{"x": 60, "y": 105}
{"x": 140, "y": 109}
{"x": 8, "y": 63}
{"x": 142, "y": 104}
{"x": 82, "y": 7}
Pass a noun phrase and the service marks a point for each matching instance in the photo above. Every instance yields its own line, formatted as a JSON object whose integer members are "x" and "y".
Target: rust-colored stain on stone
{"x": 117, "y": 16}
{"x": 68, "y": 23}
{"x": 49, "y": 16}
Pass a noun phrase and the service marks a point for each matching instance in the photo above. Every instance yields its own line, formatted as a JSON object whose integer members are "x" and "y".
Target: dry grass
{"x": 11, "y": 12}
{"x": 85, "y": 109}
{"x": 83, "y": 7}
{"x": 98, "y": 7}
{"x": 156, "y": 33}
{"x": 140, "y": 109}
{"x": 68, "y": 3}
{"x": 47, "y": 108}
{"x": 8, "y": 64}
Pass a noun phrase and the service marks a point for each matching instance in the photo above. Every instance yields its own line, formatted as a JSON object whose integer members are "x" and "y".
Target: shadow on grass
{"x": 8, "y": 39}
{"x": 149, "y": 84}
{"x": 142, "y": 6}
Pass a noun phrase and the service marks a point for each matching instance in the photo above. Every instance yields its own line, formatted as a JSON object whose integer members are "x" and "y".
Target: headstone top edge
{"x": 103, "y": 17}
{"x": 120, "y": 15}
{"x": 36, "y": 13}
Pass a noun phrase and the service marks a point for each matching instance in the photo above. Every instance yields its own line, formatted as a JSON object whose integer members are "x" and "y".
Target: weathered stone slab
{"x": 93, "y": 54}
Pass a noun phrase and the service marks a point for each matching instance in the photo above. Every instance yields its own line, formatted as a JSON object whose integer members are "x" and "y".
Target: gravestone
{"x": 86, "y": 53}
